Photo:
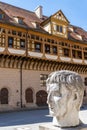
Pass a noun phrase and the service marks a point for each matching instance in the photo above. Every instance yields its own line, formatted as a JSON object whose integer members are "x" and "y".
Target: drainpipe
{"x": 21, "y": 86}
{"x": 21, "y": 74}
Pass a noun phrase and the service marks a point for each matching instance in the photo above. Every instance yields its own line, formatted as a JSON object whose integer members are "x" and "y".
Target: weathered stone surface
{"x": 65, "y": 95}
{"x": 49, "y": 126}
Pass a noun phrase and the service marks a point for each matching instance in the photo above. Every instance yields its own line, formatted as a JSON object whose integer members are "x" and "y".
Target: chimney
{"x": 38, "y": 11}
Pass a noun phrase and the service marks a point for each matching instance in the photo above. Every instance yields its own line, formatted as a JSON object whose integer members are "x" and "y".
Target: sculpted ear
{"x": 75, "y": 96}
{"x": 76, "y": 100}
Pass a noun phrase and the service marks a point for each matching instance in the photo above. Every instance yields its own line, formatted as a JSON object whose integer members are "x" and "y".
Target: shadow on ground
{"x": 24, "y": 117}
{"x": 28, "y": 117}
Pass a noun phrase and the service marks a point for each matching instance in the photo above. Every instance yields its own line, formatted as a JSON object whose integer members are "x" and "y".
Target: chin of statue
{"x": 52, "y": 113}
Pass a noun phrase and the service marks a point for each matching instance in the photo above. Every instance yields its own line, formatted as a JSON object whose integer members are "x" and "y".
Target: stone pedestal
{"x": 49, "y": 126}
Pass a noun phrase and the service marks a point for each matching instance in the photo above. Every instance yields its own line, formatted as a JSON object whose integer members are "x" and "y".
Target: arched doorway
{"x": 29, "y": 95}
{"x": 41, "y": 98}
{"x": 4, "y": 96}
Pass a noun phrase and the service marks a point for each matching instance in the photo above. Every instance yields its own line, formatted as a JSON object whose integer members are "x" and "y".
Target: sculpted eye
{"x": 56, "y": 98}
{"x": 57, "y": 94}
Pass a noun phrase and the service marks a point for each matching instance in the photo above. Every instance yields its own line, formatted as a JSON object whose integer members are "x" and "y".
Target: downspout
{"x": 21, "y": 86}
{"x": 21, "y": 73}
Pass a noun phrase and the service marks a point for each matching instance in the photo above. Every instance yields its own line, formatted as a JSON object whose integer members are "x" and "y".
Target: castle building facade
{"x": 31, "y": 47}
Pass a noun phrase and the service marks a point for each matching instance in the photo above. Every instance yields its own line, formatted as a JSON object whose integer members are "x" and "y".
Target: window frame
{"x": 43, "y": 78}
{"x": 10, "y": 43}
{"x": 67, "y": 53}
{"x": 59, "y": 28}
{"x": 22, "y": 46}
{"x": 53, "y": 50}
{"x": 47, "y": 48}
{"x": 37, "y": 47}
{"x": 1, "y": 16}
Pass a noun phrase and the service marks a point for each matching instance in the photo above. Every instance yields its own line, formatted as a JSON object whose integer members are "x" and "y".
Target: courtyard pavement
{"x": 30, "y": 119}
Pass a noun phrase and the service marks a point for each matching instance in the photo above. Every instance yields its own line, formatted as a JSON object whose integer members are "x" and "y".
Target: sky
{"x": 74, "y": 10}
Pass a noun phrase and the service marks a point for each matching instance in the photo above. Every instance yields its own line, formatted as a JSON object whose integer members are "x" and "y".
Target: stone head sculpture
{"x": 65, "y": 95}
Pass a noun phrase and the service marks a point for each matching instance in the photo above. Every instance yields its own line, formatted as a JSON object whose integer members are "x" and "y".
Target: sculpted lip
{"x": 51, "y": 107}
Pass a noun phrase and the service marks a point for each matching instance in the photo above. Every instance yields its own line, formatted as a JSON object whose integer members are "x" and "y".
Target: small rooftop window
{"x": 59, "y": 14}
{"x": 1, "y": 16}
{"x": 18, "y": 19}
{"x": 36, "y": 24}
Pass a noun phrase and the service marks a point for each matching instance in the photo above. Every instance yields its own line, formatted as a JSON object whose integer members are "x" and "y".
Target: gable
{"x": 60, "y": 16}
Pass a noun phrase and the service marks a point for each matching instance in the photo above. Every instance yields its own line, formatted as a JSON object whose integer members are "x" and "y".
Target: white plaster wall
{"x": 15, "y": 51}
{"x": 47, "y": 27}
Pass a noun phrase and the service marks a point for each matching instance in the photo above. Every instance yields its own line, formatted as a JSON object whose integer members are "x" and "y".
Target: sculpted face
{"x": 65, "y": 95}
{"x": 57, "y": 99}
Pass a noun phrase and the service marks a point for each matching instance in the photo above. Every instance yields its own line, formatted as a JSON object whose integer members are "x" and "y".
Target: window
{"x": 20, "y": 20}
{"x": 74, "y": 53}
{"x": 74, "y": 46}
{"x": 13, "y": 32}
{"x": 1, "y": 16}
{"x": 54, "y": 50}
{"x": 59, "y": 28}
{"x": 47, "y": 48}
{"x": 22, "y": 43}
{"x": 66, "y": 52}
{"x": 85, "y": 82}
{"x": 10, "y": 42}
{"x": 37, "y": 37}
{"x": 4, "y": 96}
{"x": 48, "y": 40}
{"x": 37, "y": 25}
{"x": 29, "y": 95}
{"x": 79, "y": 54}
{"x": 43, "y": 78}
{"x": 32, "y": 36}
{"x": 85, "y": 55}
{"x": 19, "y": 34}
{"x": 38, "y": 47}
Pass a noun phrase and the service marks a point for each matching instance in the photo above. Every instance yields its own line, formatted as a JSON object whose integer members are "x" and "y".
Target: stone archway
{"x": 41, "y": 98}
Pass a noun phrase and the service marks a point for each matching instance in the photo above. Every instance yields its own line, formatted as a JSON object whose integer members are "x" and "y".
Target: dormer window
{"x": 36, "y": 24}
{"x": 18, "y": 20}
{"x": 1, "y": 16}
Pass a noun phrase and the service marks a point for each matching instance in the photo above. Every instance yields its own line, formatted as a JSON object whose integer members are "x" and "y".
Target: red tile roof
{"x": 75, "y": 33}
{"x": 12, "y": 11}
